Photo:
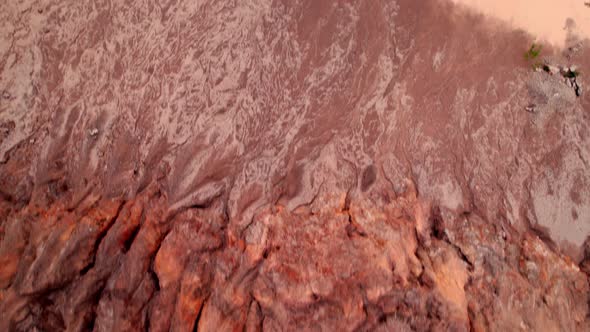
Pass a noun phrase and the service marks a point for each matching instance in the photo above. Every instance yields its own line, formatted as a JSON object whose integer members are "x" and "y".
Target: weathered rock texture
{"x": 287, "y": 165}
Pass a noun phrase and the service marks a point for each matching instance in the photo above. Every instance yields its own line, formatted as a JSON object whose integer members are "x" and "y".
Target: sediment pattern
{"x": 287, "y": 165}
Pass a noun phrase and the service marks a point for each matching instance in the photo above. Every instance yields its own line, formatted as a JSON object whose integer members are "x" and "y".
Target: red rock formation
{"x": 287, "y": 165}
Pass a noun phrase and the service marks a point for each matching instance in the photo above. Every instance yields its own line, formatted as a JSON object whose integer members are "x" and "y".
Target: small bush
{"x": 533, "y": 52}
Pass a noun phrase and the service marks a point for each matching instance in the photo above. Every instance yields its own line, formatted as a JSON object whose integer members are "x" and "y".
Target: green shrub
{"x": 533, "y": 52}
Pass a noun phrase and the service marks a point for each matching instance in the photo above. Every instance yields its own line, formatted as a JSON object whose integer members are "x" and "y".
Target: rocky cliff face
{"x": 288, "y": 165}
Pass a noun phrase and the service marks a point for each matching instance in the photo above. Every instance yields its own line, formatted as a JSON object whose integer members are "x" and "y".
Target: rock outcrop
{"x": 287, "y": 165}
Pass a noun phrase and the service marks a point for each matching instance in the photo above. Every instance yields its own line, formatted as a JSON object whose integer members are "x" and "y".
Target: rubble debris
{"x": 570, "y": 74}
{"x": 531, "y": 108}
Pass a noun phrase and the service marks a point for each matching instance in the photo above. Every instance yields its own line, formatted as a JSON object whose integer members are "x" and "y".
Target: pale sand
{"x": 545, "y": 19}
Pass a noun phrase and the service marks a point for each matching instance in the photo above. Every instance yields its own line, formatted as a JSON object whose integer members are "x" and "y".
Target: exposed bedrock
{"x": 287, "y": 165}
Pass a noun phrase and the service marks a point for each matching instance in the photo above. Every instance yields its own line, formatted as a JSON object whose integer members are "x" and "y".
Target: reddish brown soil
{"x": 286, "y": 165}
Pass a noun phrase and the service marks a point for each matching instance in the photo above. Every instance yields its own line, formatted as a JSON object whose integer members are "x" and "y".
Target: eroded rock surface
{"x": 287, "y": 165}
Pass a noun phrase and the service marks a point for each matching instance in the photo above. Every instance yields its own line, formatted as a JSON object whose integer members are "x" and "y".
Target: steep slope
{"x": 288, "y": 165}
